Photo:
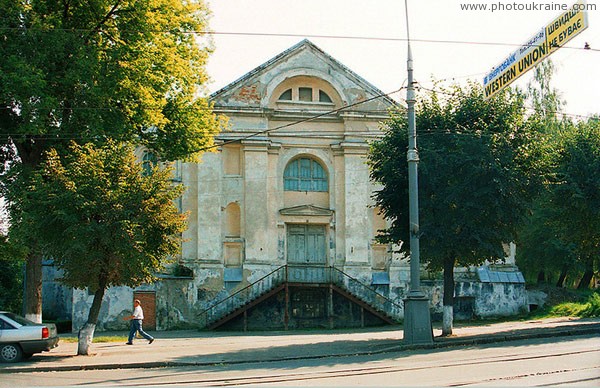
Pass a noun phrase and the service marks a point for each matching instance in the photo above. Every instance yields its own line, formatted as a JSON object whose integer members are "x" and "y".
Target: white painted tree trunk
{"x": 37, "y": 318}
{"x": 86, "y": 335}
{"x": 447, "y": 320}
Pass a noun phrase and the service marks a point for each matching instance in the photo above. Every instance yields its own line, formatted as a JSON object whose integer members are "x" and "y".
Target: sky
{"x": 449, "y": 44}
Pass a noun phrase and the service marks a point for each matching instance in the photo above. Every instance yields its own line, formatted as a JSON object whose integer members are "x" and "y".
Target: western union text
{"x": 532, "y": 58}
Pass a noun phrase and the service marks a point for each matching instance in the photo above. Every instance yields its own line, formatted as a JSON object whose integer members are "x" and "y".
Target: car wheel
{"x": 10, "y": 353}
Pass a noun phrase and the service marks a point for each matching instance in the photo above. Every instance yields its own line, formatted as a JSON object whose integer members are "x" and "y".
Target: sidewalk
{"x": 188, "y": 348}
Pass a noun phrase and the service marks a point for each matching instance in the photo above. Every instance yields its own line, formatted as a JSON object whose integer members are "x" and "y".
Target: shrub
{"x": 588, "y": 309}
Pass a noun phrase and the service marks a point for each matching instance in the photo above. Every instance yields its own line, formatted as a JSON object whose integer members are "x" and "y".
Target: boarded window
{"x": 286, "y": 96}
{"x": 305, "y": 175}
{"x": 323, "y": 97}
{"x": 305, "y": 94}
{"x": 148, "y": 302}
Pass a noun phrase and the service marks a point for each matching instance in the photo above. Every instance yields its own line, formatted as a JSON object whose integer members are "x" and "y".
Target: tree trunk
{"x": 560, "y": 283}
{"x": 448, "y": 309}
{"x": 586, "y": 279}
{"x": 541, "y": 277}
{"x": 86, "y": 333}
{"x": 85, "y": 338}
{"x": 32, "y": 296}
{"x": 32, "y": 301}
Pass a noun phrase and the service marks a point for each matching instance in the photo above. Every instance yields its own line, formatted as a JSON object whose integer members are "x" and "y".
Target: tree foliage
{"x": 129, "y": 70}
{"x": 94, "y": 71}
{"x": 103, "y": 221}
{"x": 560, "y": 237}
{"x": 475, "y": 177}
{"x": 12, "y": 259}
{"x": 575, "y": 194}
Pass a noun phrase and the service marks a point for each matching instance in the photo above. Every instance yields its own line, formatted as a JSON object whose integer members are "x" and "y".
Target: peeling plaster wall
{"x": 116, "y": 304}
{"x": 489, "y": 300}
{"x": 56, "y": 297}
{"x": 180, "y": 300}
{"x": 340, "y": 142}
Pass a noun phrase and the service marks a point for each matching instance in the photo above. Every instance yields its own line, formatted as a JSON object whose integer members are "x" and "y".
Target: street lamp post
{"x": 417, "y": 319}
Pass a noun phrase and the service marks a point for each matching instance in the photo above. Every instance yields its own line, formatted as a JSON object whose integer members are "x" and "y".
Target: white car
{"x": 20, "y": 338}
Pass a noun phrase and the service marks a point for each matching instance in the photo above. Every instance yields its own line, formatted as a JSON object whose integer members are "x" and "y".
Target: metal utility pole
{"x": 417, "y": 319}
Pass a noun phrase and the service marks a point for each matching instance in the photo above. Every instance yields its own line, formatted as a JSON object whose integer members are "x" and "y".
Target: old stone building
{"x": 282, "y": 223}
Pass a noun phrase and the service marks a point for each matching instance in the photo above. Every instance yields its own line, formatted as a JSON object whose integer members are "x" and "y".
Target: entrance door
{"x": 148, "y": 301}
{"x": 306, "y": 244}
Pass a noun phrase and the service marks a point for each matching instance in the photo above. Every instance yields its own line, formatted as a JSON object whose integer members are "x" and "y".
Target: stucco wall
{"x": 253, "y": 180}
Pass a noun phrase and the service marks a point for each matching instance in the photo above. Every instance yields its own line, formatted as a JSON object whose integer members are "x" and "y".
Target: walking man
{"x": 135, "y": 324}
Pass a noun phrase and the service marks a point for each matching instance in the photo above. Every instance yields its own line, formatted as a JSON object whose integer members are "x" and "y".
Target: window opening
{"x": 305, "y": 94}
{"x": 323, "y": 97}
{"x": 149, "y": 161}
{"x": 305, "y": 174}
{"x": 286, "y": 96}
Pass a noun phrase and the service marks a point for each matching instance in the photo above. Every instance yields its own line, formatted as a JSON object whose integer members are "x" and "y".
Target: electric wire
{"x": 290, "y": 35}
{"x": 230, "y": 141}
{"x": 333, "y": 111}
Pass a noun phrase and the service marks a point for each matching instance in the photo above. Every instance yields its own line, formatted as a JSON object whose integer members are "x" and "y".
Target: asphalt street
{"x": 571, "y": 360}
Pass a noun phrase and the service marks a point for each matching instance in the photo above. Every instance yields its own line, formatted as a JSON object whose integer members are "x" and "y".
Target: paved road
{"x": 571, "y": 361}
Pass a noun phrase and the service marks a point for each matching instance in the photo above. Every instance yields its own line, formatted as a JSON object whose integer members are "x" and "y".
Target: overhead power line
{"x": 333, "y": 111}
{"x": 586, "y": 47}
{"x": 253, "y": 134}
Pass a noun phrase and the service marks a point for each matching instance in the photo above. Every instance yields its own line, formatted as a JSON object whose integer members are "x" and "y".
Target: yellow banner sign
{"x": 566, "y": 26}
{"x": 543, "y": 43}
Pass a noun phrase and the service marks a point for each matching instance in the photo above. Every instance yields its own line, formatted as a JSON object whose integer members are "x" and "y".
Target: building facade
{"x": 282, "y": 222}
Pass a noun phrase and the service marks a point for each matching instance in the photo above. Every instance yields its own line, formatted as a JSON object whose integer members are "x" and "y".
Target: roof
{"x": 281, "y": 58}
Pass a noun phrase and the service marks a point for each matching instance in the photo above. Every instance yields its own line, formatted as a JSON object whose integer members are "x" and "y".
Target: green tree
{"x": 128, "y": 70}
{"x": 575, "y": 194}
{"x": 11, "y": 275}
{"x": 474, "y": 179}
{"x": 119, "y": 227}
{"x": 542, "y": 255}
{"x": 556, "y": 239}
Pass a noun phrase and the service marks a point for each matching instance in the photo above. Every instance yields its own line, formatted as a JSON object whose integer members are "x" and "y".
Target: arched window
{"x": 305, "y": 174}
{"x": 286, "y": 96}
{"x": 149, "y": 161}
{"x": 324, "y": 97}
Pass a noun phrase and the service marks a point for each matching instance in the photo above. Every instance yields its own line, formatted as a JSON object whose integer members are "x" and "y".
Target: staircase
{"x": 284, "y": 276}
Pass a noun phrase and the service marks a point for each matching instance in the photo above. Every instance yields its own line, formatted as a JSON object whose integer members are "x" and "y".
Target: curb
{"x": 439, "y": 342}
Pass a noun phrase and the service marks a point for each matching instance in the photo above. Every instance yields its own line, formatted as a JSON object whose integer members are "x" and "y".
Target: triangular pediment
{"x": 253, "y": 89}
{"x": 306, "y": 210}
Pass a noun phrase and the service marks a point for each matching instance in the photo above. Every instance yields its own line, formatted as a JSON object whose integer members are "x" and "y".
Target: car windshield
{"x": 19, "y": 320}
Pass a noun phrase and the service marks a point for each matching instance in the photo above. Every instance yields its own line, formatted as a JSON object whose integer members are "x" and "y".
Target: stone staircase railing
{"x": 245, "y": 297}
